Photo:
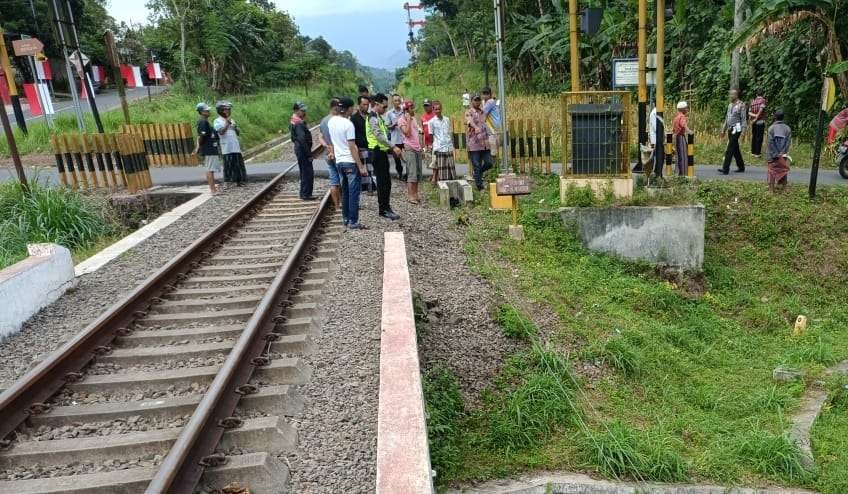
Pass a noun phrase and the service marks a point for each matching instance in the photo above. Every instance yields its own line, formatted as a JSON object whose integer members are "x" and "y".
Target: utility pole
{"x": 499, "y": 38}
{"x": 13, "y": 88}
{"x": 643, "y": 79}
{"x": 115, "y": 72}
{"x": 68, "y": 71}
{"x": 659, "y": 149}
{"x": 13, "y": 150}
{"x": 575, "y": 49}
{"x": 85, "y": 73}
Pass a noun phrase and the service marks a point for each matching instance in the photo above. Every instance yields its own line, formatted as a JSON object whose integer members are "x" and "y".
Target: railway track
{"x": 185, "y": 384}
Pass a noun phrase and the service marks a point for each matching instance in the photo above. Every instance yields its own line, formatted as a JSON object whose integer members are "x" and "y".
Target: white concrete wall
{"x": 33, "y": 283}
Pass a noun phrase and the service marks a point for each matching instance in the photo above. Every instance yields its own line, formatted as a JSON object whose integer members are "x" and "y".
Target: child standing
{"x": 207, "y": 146}
{"x": 228, "y": 133}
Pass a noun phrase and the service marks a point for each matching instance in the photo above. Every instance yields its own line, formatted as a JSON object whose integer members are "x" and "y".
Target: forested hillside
{"x": 230, "y": 45}
{"x": 789, "y": 44}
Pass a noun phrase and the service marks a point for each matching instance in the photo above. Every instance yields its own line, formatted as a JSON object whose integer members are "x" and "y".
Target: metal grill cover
{"x": 596, "y": 135}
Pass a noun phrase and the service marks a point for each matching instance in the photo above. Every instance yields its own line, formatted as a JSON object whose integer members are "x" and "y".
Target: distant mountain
{"x": 383, "y": 80}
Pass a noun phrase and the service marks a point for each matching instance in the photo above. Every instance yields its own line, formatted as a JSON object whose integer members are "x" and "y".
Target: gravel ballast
{"x": 337, "y": 431}
{"x": 97, "y": 291}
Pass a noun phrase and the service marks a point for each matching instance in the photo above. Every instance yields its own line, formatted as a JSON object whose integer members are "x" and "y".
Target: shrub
{"x": 580, "y": 197}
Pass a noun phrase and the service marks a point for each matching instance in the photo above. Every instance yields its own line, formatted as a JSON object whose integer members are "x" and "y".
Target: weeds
{"x": 772, "y": 454}
{"x": 445, "y": 411}
{"x": 49, "y": 214}
{"x": 514, "y": 324}
{"x": 620, "y": 451}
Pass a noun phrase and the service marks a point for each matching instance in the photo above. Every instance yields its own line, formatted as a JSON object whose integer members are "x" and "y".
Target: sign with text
{"x": 625, "y": 73}
{"x": 28, "y": 47}
{"x": 513, "y": 185}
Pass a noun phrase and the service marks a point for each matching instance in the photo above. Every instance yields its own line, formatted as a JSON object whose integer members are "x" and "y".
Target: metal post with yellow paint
{"x": 643, "y": 75}
{"x": 574, "y": 46}
{"x": 10, "y": 81}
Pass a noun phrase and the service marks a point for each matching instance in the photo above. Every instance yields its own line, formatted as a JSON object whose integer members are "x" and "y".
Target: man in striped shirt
{"x": 757, "y": 114}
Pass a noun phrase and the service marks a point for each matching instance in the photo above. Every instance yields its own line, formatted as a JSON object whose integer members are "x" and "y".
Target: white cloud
{"x": 316, "y": 8}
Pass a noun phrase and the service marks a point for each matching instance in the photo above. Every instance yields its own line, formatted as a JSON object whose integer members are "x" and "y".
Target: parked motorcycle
{"x": 842, "y": 159}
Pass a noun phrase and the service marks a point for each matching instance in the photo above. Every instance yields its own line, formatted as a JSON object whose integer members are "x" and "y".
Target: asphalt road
{"x": 195, "y": 175}
{"x": 106, "y": 100}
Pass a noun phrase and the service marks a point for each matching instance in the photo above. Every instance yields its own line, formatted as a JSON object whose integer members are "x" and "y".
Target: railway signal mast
{"x": 412, "y": 45}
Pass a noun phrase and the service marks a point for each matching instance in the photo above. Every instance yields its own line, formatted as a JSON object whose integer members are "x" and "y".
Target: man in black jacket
{"x": 302, "y": 141}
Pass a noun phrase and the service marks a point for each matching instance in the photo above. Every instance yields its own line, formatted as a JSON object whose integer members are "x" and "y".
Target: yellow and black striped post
{"x": 669, "y": 149}
{"x": 690, "y": 150}
{"x": 60, "y": 165}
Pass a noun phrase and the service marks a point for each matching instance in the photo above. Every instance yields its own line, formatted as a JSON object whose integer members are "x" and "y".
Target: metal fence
{"x": 530, "y": 143}
{"x": 596, "y": 129}
{"x": 112, "y": 161}
{"x": 166, "y": 144}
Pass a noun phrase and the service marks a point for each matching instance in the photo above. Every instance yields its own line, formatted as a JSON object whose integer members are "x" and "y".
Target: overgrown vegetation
{"x": 48, "y": 214}
{"x": 514, "y": 324}
{"x": 666, "y": 386}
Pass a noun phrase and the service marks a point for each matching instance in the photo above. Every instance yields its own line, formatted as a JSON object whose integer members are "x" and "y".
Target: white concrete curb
{"x": 100, "y": 259}
{"x": 35, "y": 282}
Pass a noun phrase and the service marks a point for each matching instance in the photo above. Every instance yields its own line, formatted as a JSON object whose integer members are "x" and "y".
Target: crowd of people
{"x": 359, "y": 139}
{"x": 777, "y": 138}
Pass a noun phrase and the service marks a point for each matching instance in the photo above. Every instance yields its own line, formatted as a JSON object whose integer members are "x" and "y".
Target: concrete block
{"x": 403, "y": 456}
{"x": 35, "y": 282}
{"x": 621, "y": 187}
{"x": 459, "y": 190}
{"x": 516, "y": 232}
{"x": 671, "y": 235}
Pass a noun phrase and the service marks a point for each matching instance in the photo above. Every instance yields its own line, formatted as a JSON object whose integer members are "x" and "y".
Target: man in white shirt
{"x": 348, "y": 162}
{"x": 228, "y": 138}
{"x": 442, "y": 132}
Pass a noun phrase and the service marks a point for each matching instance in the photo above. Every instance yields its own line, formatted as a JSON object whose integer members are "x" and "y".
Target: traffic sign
{"x": 75, "y": 60}
{"x": 27, "y": 47}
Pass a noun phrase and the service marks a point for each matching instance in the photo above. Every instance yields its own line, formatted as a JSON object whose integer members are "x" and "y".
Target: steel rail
{"x": 182, "y": 468}
{"x": 26, "y": 396}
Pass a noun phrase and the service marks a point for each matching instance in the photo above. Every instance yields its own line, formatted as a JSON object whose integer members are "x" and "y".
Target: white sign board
{"x": 625, "y": 73}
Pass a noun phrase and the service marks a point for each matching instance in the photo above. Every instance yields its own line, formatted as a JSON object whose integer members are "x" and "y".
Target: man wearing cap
{"x": 492, "y": 113}
{"x": 777, "y": 147}
{"x": 378, "y": 142}
{"x": 332, "y": 169}
{"x": 411, "y": 151}
{"x": 350, "y": 165}
{"x": 207, "y": 146}
{"x": 477, "y": 140}
{"x": 428, "y": 114}
{"x": 228, "y": 134}
{"x": 302, "y": 141}
{"x": 680, "y": 130}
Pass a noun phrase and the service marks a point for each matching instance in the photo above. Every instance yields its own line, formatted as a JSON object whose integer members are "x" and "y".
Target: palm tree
{"x": 774, "y": 17}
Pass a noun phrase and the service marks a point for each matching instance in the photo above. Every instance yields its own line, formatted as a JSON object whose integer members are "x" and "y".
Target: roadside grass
{"x": 261, "y": 116}
{"x": 515, "y": 324}
{"x": 668, "y": 387}
{"x": 51, "y": 214}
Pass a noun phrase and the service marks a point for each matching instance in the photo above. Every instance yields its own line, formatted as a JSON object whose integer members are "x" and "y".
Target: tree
{"x": 178, "y": 10}
{"x": 775, "y": 17}
{"x": 738, "y": 20}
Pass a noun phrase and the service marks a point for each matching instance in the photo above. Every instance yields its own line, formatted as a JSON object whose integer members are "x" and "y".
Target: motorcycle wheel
{"x": 843, "y": 167}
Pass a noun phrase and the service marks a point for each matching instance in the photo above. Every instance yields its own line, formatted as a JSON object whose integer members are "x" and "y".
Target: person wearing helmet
{"x": 207, "y": 146}
{"x": 301, "y": 139}
{"x": 228, "y": 134}
{"x": 680, "y": 130}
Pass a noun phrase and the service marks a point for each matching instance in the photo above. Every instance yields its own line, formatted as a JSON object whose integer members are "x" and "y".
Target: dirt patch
{"x": 692, "y": 284}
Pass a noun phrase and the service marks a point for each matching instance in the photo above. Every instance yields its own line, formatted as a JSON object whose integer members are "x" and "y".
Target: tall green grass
{"x": 50, "y": 214}
{"x": 261, "y": 116}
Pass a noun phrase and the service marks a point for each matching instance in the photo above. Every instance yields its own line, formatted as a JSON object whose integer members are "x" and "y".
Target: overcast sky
{"x": 373, "y": 30}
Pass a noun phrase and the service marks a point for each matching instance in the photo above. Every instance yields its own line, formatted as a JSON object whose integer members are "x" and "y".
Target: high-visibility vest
{"x": 373, "y": 143}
